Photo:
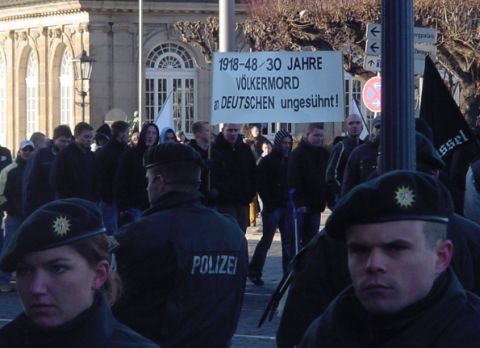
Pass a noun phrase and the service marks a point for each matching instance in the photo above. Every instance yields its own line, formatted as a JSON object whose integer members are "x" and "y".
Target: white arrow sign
{"x": 420, "y": 35}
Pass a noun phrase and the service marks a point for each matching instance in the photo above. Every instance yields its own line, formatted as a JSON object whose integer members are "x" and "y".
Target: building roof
{"x": 18, "y": 3}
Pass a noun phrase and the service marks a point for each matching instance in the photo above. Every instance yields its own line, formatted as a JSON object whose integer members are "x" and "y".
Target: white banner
{"x": 277, "y": 87}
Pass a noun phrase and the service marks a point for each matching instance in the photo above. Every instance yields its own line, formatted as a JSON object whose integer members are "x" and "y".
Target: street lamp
{"x": 82, "y": 66}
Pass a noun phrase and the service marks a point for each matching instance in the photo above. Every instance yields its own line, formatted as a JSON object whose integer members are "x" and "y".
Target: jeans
{"x": 272, "y": 219}
{"x": 110, "y": 216}
{"x": 238, "y": 211}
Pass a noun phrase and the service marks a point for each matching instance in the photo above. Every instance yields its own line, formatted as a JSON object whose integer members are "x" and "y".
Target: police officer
{"x": 183, "y": 265}
{"x": 61, "y": 257}
{"x": 403, "y": 292}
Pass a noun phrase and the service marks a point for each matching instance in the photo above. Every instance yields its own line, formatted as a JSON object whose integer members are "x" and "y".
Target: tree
{"x": 341, "y": 24}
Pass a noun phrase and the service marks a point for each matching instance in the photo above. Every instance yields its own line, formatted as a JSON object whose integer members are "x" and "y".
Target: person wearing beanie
{"x": 61, "y": 256}
{"x": 272, "y": 188}
{"x": 340, "y": 153}
{"x": 108, "y": 158}
{"x": 183, "y": 264}
{"x": 36, "y": 180}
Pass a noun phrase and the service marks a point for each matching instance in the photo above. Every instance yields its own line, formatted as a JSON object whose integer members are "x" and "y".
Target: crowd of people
{"x": 150, "y": 228}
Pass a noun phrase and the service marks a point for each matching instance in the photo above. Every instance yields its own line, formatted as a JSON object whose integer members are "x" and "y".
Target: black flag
{"x": 439, "y": 109}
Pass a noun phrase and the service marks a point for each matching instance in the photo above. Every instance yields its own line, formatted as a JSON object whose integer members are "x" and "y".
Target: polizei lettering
{"x": 265, "y": 83}
{"x": 452, "y": 143}
{"x": 214, "y": 264}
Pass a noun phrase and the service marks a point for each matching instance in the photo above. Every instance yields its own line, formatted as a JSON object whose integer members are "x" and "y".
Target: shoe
{"x": 256, "y": 280}
{"x": 6, "y": 287}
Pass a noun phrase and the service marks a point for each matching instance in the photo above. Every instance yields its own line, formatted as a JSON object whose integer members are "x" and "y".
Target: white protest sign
{"x": 277, "y": 87}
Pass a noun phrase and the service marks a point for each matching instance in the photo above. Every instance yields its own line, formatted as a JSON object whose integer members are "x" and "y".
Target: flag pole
{"x": 140, "y": 63}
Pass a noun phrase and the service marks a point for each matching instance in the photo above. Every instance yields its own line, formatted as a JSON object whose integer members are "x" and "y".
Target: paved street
{"x": 255, "y": 300}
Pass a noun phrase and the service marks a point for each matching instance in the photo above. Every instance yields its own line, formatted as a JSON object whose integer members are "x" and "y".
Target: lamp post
{"x": 82, "y": 66}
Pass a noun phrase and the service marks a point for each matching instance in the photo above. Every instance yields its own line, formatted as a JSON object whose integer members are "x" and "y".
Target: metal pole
{"x": 226, "y": 25}
{"x": 141, "y": 81}
{"x": 398, "y": 126}
{"x": 83, "y": 94}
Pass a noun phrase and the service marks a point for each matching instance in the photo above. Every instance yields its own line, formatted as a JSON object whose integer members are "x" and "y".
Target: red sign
{"x": 372, "y": 94}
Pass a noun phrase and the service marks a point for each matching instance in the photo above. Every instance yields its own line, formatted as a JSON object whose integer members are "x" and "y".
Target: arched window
{"x": 31, "y": 82}
{"x": 3, "y": 100}
{"x": 170, "y": 73}
{"x": 66, "y": 90}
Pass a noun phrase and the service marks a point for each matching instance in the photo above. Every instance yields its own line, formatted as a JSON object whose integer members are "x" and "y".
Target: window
{"x": 3, "y": 101}
{"x": 66, "y": 90}
{"x": 31, "y": 82}
{"x": 170, "y": 73}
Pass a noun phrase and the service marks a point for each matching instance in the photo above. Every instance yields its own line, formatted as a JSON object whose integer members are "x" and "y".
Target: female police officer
{"x": 61, "y": 258}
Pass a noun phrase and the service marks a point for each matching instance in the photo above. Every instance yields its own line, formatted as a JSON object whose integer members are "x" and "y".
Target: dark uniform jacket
{"x": 306, "y": 174}
{"x": 74, "y": 174}
{"x": 234, "y": 171}
{"x": 321, "y": 273}
{"x": 448, "y": 317}
{"x": 184, "y": 269}
{"x": 94, "y": 328}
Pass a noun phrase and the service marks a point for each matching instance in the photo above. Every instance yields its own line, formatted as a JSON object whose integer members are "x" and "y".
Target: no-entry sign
{"x": 372, "y": 94}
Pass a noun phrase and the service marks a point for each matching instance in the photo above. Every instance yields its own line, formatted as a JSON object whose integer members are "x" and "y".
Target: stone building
{"x": 39, "y": 38}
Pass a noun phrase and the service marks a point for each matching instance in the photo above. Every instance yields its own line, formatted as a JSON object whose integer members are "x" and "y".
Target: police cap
{"x": 170, "y": 153}
{"x": 396, "y": 195}
{"x": 54, "y": 224}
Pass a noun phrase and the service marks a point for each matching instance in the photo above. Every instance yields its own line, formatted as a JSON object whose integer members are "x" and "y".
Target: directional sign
{"x": 420, "y": 35}
{"x": 372, "y": 94}
{"x": 372, "y": 63}
{"x": 373, "y": 47}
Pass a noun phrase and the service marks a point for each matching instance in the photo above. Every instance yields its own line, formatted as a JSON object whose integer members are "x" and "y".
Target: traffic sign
{"x": 372, "y": 94}
{"x": 420, "y": 34}
{"x": 372, "y": 63}
{"x": 374, "y": 48}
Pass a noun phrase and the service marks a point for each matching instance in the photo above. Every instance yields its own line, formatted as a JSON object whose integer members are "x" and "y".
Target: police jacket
{"x": 321, "y": 273}
{"x": 306, "y": 174}
{"x": 449, "y": 316}
{"x": 94, "y": 328}
{"x": 184, "y": 268}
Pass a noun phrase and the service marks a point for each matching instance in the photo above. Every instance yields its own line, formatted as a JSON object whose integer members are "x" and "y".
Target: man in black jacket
{"x": 234, "y": 172}
{"x": 74, "y": 172}
{"x": 183, "y": 265}
{"x": 272, "y": 188}
{"x": 306, "y": 175}
{"x": 108, "y": 157}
